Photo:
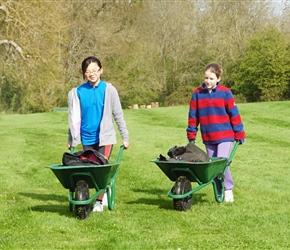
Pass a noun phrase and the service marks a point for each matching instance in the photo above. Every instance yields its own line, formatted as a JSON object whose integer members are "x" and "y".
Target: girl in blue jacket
{"x": 91, "y": 107}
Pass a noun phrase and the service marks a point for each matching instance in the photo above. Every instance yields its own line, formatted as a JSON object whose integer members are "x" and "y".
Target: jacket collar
{"x": 214, "y": 89}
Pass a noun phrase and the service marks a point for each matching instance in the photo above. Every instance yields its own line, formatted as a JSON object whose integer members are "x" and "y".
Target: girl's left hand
{"x": 125, "y": 144}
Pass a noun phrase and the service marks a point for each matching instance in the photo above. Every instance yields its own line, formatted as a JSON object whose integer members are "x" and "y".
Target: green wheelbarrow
{"x": 203, "y": 173}
{"x": 79, "y": 179}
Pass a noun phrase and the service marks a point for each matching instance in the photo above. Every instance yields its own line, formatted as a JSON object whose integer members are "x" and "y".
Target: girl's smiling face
{"x": 93, "y": 73}
{"x": 210, "y": 80}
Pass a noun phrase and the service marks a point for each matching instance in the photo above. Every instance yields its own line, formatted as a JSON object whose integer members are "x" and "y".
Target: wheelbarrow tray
{"x": 95, "y": 175}
{"x": 194, "y": 171}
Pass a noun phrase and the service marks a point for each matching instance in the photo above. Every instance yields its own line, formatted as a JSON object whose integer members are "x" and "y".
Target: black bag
{"x": 84, "y": 158}
{"x": 190, "y": 153}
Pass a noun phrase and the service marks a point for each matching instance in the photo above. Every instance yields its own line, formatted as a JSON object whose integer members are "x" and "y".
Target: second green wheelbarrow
{"x": 204, "y": 173}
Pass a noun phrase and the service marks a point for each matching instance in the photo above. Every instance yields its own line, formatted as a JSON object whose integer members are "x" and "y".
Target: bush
{"x": 263, "y": 70}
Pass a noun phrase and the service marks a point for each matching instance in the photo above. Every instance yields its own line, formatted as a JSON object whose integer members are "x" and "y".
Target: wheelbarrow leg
{"x": 219, "y": 194}
{"x": 111, "y": 195}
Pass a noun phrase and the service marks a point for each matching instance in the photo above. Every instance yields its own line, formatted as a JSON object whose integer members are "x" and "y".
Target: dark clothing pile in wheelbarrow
{"x": 84, "y": 158}
{"x": 188, "y": 153}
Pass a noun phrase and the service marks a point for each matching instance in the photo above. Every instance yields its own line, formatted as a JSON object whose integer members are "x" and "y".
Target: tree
{"x": 11, "y": 48}
{"x": 263, "y": 71}
{"x": 150, "y": 50}
{"x": 157, "y": 59}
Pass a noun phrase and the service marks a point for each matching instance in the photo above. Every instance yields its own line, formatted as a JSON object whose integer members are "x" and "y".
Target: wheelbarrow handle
{"x": 120, "y": 153}
{"x": 237, "y": 143}
{"x": 229, "y": 160}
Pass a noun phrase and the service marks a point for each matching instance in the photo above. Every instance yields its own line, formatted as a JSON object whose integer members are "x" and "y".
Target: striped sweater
{"x": 216, "y": 114}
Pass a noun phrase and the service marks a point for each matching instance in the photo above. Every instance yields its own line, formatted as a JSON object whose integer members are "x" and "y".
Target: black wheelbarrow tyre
{"x": 182, "y": 185}
{"x": 82, "y": 194}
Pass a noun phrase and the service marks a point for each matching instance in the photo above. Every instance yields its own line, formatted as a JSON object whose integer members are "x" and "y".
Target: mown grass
{"x": 34, "y": 206}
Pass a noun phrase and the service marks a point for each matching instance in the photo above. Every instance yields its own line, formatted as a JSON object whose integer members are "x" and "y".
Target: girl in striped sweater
{"x": 213, "y": 109}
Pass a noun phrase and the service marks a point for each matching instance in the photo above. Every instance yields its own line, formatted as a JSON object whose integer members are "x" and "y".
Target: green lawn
{"x": 35, "y": 211}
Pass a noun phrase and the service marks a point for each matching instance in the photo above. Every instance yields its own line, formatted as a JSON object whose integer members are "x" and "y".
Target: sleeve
{"x": 193, "y": 120}
{"x": 74, "y": 117}
{"x": 235, "y": 118}
{"x": 119, "y": 116}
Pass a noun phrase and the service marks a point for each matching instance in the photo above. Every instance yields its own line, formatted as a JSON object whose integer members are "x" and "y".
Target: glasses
{"x": 94, "y": 71}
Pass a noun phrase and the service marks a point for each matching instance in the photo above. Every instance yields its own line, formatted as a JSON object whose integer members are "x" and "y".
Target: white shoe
{"x": 229, "y": 196}
{"x": 98, "y": 207}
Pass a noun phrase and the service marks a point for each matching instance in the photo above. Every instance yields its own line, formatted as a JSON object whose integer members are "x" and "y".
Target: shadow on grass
{"x": 63, "y": 210}
{"x": 60, "y": 209}
{"x": 160, "y": 201}
{"x": 45, "y": 197}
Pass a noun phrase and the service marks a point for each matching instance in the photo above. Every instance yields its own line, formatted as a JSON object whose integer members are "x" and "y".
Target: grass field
{"x": 34, "y": 205}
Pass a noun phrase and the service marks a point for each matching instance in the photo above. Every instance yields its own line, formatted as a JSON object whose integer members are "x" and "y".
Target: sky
{"x": 279, "y": 5}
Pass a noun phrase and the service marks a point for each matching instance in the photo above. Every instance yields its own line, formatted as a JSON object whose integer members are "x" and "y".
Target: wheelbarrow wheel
{"x": 182, "y": 186}
{"x": 82, "y": 194}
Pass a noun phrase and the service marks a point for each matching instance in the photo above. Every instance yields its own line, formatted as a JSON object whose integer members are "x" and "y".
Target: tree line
{"x": 152, "y": 51}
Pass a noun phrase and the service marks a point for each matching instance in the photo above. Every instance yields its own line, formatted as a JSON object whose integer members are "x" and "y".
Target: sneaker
{"x": 98, "y": 207}
{"x": 229, "y": 196}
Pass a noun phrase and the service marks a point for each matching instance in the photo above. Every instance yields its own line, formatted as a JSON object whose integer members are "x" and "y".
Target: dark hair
{"x": 86, "y": 62}
{"x": 214, "y": 68}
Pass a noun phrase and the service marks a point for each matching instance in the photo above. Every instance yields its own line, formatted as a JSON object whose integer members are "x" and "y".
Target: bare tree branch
{"x": 15, "y": 45}
{"x": 4, "y": 9}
